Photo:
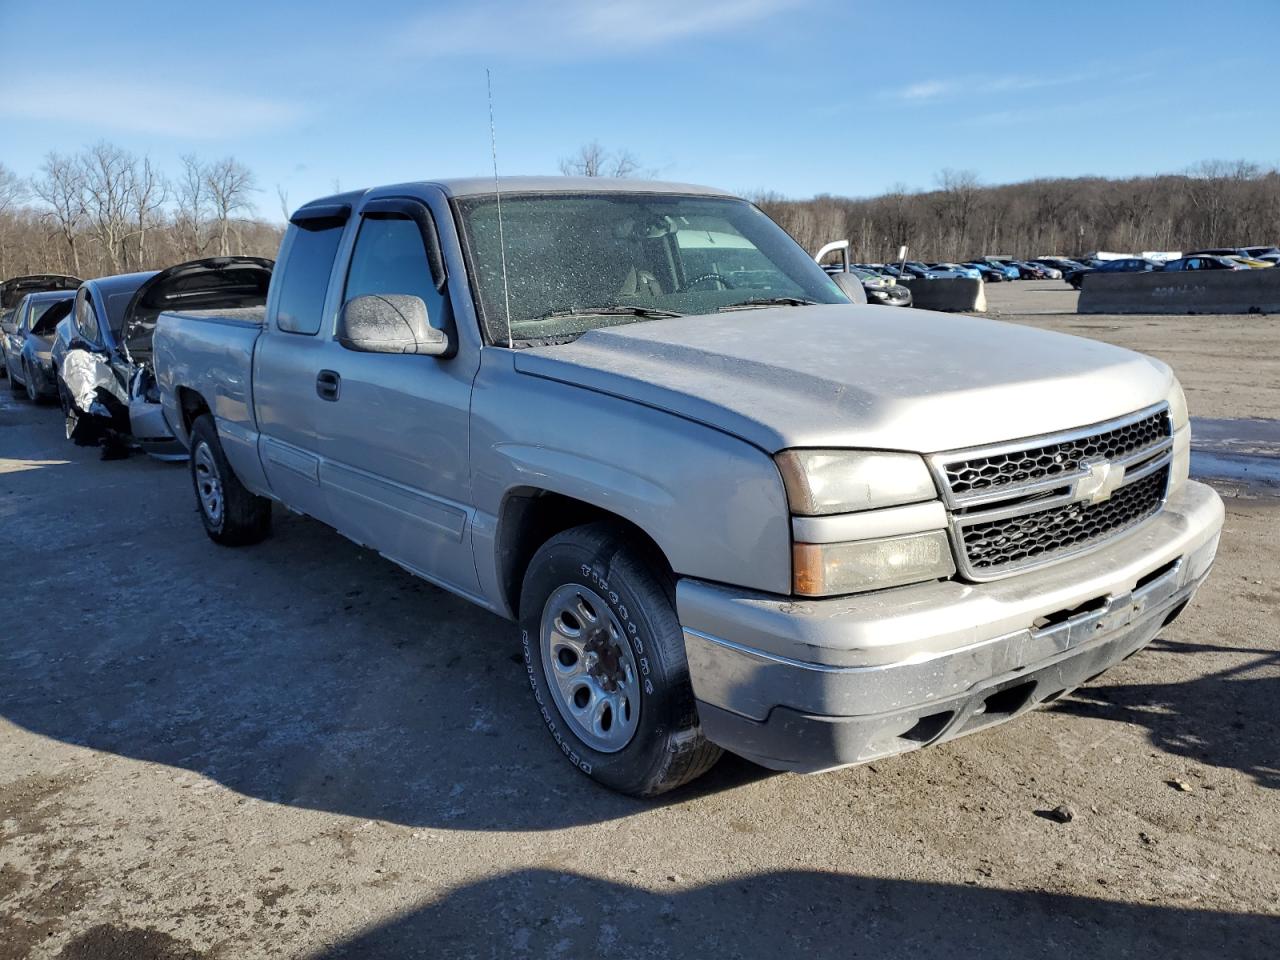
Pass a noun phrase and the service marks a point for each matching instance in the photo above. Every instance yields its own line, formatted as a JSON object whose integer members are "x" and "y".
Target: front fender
{"x": 714, "y": 504}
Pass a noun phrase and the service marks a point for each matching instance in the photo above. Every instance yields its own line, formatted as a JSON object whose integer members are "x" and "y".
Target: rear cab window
{"x": 305, "y": 275}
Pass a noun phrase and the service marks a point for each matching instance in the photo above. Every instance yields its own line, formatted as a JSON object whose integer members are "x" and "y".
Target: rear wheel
{"x": 232, "y": 516}
{"x": 605, "y": 657}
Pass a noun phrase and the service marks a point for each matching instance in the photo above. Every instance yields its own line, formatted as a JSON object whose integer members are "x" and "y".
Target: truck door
{"x": 394, "y": 464}
{"x": 288, "y": 360}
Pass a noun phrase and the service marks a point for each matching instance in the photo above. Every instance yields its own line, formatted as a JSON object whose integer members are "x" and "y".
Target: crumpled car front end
{"x": 146, "y": 418}
{"x": 97, "y": 406}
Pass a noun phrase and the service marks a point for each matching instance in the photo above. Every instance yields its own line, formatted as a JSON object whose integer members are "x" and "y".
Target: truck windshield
{"x": 575, "y": 262}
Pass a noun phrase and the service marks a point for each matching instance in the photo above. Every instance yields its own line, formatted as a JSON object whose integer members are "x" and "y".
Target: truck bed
{"x": 209, "y": 354}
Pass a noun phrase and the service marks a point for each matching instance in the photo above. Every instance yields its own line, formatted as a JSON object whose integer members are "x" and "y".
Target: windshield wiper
{"x": 769, "y": 302}
{"x": 622, "y": 310}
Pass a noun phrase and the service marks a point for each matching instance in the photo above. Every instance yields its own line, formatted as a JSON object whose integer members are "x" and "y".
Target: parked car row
{"x": 1223, "y": 258}
{"x": 87, "y": 343}
{"x": 992, "y": 269}
{"x": 989, "y": 269}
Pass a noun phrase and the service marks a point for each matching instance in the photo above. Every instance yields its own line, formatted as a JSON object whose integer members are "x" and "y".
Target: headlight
{"x": 829, "y": 569}
{"x": 1178, "y": 406}
{"x": 1180, "y": 468}
{"x": 841, "y": 481}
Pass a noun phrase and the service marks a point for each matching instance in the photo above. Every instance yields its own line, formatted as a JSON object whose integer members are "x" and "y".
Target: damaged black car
{"x": 102, "y": 351}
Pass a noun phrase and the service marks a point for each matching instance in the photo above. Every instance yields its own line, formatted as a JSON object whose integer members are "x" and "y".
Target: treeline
{"x": 1214, "y": 204}
{"x": 105, "y": 210}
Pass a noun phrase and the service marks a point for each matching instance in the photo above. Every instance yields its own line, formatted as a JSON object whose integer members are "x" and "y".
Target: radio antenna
{"x": 497, "y": 192}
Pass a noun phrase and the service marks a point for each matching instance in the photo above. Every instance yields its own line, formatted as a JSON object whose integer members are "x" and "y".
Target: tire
{"x": 232, "y": 516}
{"x": 634, "y": 649}
{"x": 32, "y": 393}
{"x": 14, "y": 385}
{"x": 79, "y": 430}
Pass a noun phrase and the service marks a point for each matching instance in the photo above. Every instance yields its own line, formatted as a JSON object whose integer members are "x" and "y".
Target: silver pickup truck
{"x": 728, "y": 509}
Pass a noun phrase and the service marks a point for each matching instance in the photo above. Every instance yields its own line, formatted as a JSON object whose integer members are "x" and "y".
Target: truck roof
{"x": 471, "y": 186}
{"x": 477, "y": 186}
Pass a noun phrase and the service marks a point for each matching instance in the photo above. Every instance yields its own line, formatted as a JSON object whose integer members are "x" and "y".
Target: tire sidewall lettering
{"x": 549, "y": 717}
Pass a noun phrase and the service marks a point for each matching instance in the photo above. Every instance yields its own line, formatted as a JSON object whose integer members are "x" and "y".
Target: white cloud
{"x": 559, "y": 29}
{"x": 927, "y": 90}
{"x": 978, "y": 85}
{"x": 138, "y": 107}
{"x": 988, "y": 85}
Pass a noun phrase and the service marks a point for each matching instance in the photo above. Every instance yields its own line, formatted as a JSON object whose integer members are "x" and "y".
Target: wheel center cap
{"x": 603, "y": 662}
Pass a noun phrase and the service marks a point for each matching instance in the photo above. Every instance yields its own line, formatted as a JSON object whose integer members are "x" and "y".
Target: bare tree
{"x": 193, "y": 205}
{"x": 12, "y": 192}
{"x": 623, "y": 164}
{"x": 229, "y": 183}
{"x": 283, "y": 196}
{"x": 956, "y": 203}
{"x": 593, "y": 160}
{"x": 61, "y": 187}
{"x": 148, "y": 193}
{"x": 108, "y": 173}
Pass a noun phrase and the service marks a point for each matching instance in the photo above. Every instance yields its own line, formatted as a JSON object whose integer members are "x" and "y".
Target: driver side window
{"x": 391, "y": 258}
{"x": 87, "y": 318}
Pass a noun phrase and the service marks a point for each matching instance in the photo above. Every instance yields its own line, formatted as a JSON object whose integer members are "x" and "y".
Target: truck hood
{"x": 858, "y": 376}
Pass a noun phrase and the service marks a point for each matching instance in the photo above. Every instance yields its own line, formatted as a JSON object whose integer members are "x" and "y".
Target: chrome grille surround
{"x": 1040, "y": 512}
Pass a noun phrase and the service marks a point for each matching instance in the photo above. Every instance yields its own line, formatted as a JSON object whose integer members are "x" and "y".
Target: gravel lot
{"x": 297, "y": 750}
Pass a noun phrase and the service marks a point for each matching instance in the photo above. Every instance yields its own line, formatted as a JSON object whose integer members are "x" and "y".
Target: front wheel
{"x": 32, "y": 393}
{"x": 605, "y": 658}
{"x": 232, "y": 516}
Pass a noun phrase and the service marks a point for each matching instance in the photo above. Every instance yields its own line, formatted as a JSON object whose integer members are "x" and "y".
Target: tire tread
{"x": 246, "y": 517}
{"x": 688, "y": 753}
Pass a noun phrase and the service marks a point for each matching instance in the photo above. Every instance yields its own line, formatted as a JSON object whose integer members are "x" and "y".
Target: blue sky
{"x": 788, "y": 95}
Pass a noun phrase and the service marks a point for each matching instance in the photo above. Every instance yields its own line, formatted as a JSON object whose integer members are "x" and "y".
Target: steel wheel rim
{"x": 590, "y": 668}
{"x": 208, "y": 486}
{"x": 29, "y": 383}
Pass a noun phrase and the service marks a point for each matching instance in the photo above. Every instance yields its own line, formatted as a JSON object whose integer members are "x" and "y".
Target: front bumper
{"x": 45, "y": 381}
{"x": 151, "y": 431}
{"x": 811, "y": 685}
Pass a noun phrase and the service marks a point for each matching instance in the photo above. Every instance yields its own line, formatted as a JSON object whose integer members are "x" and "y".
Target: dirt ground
{"x": 297, "y": 750}
{"x": 1229, "y": 365}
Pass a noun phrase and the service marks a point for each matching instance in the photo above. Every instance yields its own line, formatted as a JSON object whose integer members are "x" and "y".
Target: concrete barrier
{"x": 953, "y": 296}
{"x": 1182, "y": 291}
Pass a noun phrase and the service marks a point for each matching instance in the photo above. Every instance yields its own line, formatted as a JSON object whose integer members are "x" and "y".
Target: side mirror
{"x": 390, "y": 323}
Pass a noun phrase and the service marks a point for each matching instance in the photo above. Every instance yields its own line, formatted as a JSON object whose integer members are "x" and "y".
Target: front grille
{"x": 1014, "y": 467}
{"x": 1015, "y": 506}
{"x": 1037, "y": 536}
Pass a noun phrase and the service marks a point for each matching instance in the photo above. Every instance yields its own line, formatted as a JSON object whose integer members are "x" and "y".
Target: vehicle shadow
{"x": 310, "y": 672}
{"x": 303, "y": 671}
{"x": 809, "y": 914}
{"x": 1223, "y": 719}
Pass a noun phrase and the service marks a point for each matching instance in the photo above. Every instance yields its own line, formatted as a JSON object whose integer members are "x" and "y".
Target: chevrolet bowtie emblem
{"x": 1100, "y": 482}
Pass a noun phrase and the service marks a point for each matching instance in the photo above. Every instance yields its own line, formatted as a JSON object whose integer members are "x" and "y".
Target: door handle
{"x": 328, "y": 385}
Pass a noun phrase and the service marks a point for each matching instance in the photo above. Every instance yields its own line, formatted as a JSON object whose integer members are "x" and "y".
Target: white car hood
{"x": 858, "y": 376}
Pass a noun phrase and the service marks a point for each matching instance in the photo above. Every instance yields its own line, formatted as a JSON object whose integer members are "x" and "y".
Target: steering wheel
{"x": 724, "y": 283}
